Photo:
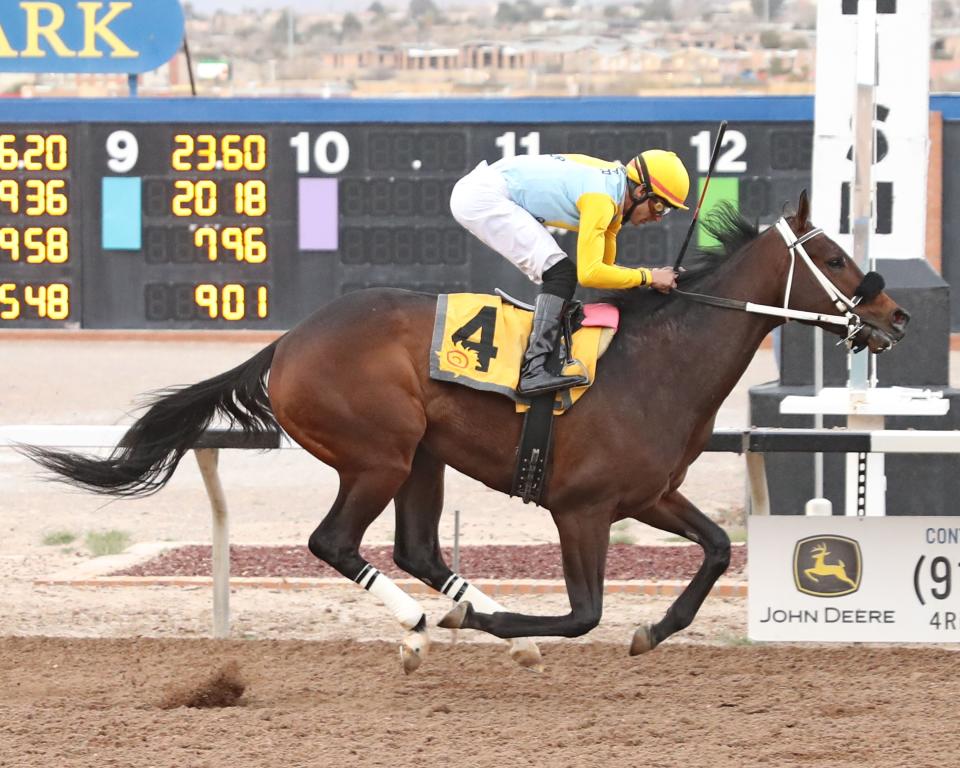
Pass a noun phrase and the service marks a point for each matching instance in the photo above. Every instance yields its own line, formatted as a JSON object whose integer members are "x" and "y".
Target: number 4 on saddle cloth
{"x": 479, "y": 340}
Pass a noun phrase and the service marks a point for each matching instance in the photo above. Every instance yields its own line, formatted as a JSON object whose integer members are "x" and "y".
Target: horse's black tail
{"x": 148, "y": 454}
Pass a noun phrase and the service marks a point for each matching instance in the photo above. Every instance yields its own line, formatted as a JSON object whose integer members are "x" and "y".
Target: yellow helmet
{"x": 663, "y": 174}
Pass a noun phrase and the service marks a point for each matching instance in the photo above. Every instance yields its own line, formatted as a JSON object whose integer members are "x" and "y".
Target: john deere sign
{"x": 69, "y": 36}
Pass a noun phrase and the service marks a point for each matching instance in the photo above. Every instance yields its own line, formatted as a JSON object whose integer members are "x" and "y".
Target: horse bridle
{"x": 870, "y": 287}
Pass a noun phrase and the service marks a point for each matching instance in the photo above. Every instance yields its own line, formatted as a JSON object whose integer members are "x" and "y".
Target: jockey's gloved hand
{"x": 664, "y": 279}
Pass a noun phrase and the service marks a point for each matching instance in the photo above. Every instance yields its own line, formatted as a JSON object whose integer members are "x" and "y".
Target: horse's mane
{"x": 726, "y": 225}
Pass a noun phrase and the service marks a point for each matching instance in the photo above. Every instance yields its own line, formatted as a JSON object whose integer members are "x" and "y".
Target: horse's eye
{"x": 836, "y": 263}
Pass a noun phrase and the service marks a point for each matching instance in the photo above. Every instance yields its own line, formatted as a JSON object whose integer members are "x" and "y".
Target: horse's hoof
{"x": 413, "y": 650}
{"x": 526, "y": 653}
{"x": 642, "y": 641}
{"x": 455, "y": 617}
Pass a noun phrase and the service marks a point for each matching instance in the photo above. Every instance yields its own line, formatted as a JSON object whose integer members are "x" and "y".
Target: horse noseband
{"x": 870, "y": 287}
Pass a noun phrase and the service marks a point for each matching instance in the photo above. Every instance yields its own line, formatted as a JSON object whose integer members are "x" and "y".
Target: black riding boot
{"x": 535, "y": 379}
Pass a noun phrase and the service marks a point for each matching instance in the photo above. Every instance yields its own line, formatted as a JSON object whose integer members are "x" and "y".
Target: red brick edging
{"x": 724, "y": 588}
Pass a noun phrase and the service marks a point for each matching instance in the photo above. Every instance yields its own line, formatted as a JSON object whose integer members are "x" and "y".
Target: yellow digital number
{"x": 45, "y": 198}
{"x": 178, "y": 160}
{"x": 254, "y": 152}
{"x": 233, "y": 159}
{"x": 56, "y": 152}
{"x": 228, "y": 302}
{"x": 232, "y": 302}
{"x": 56, "y": 201}
{"x": 35, "y": 149}
{"x": 262, "y": 308}
{"x": 58, "y": 301}
{"x": 232, "y": 238}
{"x": 45, "y": 152}
{"x": 245, "y": 244}
{"x": 205, "y": 295}
{"x": 50, "y": 301}
{"x": 10, "y": 194}
{"x": 250, "y": 197}
{"x": 9, "y": 159}
{"x": 51, "y": 245}
{"x": 36, "y": 297}
{"x": 255, "y": 250}
{"x": 34, "y": 242}
{"x": 10, "y": 242}
{"x": 10, "y": 304}
{"x": 38, "y": 197}
{"x": 58, "y": 245}
{"x": 196, "y": 198}
{"x": 232, "y": 152}
{"x": 207, "y": 152}
{"x": 206, "y": 237}
{"x": 42, "y": 153}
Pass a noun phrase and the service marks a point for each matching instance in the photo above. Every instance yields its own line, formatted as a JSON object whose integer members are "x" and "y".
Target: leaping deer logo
{"x": 822, "y": 568}
{"x": 827, "y": 566}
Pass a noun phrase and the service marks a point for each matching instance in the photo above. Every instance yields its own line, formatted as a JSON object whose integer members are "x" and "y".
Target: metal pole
{"x": 456, "y": 541}
{"x": 186, "y": 52}
{"x": 865, "y": 472}
{"x": 863, "y": 158}
{"x": 207, "y": 459}
{"x": 817, "y": 417}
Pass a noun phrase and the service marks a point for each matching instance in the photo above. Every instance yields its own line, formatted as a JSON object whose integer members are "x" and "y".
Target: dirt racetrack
{"x": 84, "y": 671}
{"x": 95, "y": 703}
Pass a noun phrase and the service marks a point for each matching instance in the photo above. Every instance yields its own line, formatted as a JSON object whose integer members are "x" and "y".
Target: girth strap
{"x": 533, "y": 454}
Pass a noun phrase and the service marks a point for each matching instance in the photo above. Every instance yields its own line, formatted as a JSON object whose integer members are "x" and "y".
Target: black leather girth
{"x": 534, "y": 452}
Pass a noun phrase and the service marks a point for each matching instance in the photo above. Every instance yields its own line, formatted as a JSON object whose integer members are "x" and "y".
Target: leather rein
{"x": 869, "y": 288}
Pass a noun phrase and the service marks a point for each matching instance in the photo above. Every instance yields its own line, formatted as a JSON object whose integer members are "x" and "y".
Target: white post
{"x": 207, "y": 459}
{"x": 757, "y": 477}
{"x": 863, "y": 159}
{"x": 866, "y": 483}
{"x": 818, "y": 508}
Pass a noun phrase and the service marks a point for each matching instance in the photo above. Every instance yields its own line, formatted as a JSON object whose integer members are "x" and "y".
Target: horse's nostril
{"x": 900, "y": 318}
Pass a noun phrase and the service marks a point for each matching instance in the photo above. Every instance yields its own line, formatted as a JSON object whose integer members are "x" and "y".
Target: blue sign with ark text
{"x": 124, "y": 36}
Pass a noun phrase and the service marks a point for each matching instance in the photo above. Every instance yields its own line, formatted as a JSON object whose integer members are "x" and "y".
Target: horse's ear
{"x": 803, "y": 210}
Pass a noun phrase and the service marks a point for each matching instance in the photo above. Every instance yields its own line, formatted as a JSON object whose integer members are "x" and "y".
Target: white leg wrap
{"x": 523, "y": 650}
{"x": 457, "y": 588}
{"x": 406, "y": 610}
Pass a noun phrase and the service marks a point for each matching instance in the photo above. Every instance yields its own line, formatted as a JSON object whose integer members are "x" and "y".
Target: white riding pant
{"x": 481, "y": 203}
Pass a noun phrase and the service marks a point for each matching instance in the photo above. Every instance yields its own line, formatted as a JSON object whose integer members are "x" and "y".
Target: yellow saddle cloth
{"x": 479, "y": 341}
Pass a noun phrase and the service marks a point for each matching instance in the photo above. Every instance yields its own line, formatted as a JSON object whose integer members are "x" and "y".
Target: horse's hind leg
{"x": 419, "y": 504}
{"x": 676, "y": 514}
{"x": 337, "y": 540}
{"x": 584, "y": 539}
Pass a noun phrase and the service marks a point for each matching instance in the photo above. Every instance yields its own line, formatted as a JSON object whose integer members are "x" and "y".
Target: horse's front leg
{"x": 676, "y": 514}
{"x": 584, "y": 539}
{"x": 419, "y": 504}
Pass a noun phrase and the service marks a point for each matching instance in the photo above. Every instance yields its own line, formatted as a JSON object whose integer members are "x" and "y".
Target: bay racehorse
{"x": 351, "y": 385}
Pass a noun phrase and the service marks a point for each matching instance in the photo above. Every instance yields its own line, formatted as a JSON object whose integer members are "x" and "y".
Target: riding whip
{"x": 713, "y": 162}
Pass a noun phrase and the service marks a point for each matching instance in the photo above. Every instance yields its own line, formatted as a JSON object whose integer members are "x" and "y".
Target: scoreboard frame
{"x": 250, "y": 213}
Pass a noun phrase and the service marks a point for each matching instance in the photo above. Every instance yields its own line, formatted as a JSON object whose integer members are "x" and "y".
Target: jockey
{"x": 509, "y": 204}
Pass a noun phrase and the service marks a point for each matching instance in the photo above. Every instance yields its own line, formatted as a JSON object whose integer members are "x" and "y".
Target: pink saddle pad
{"x": 602, "y": 315}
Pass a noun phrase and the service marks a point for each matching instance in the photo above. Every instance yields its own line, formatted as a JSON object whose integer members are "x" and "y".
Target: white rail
{"x": 752, "y": 443}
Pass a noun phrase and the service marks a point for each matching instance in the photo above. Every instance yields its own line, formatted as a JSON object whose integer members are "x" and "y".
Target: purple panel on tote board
{"x": 319, "y": 216}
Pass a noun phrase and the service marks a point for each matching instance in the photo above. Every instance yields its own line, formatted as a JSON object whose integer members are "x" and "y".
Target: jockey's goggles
{"x": 657, "y": 206}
